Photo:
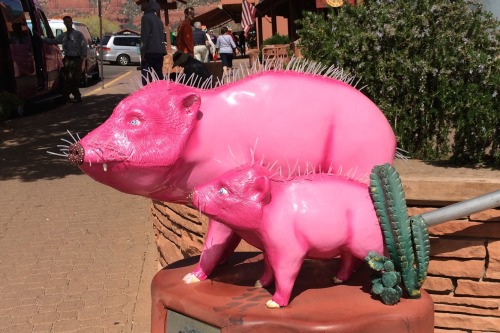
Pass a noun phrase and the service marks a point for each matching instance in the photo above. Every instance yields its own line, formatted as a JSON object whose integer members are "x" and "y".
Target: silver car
{"x": 121, "y": 49}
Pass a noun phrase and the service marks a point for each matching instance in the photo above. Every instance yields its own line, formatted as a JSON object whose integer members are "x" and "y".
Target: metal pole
{"x": 100, "y": 43}
{"x": 167, "y": 31}
{"x": 461, "y": 209}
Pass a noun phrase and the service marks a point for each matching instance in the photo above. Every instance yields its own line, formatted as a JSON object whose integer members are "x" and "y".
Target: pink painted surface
{"x": 167, "y": 138}
{"x": 313, "y": 216}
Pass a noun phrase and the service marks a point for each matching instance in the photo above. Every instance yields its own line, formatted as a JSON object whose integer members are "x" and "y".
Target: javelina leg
{"x": 286, "y": 267}
{"x": 347, "y": 265}
{"x": 220, "y": 242}
{"x": 268, "y": 276}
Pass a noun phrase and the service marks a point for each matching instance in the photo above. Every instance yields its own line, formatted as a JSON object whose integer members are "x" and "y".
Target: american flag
{"x": 247, "y": 16}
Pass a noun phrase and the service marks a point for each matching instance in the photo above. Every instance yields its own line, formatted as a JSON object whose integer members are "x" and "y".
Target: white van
{"x": 90, "y": 68}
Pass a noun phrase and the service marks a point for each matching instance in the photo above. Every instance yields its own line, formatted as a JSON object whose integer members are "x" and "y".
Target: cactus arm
{"x": 385, "y": 280}
{"x": 401, "y": 221}
{"x": 379, "y": 198}
{"x": 390, "y": 205}
{"x": 422, "y": 248}
{"x": 376, "y": 261}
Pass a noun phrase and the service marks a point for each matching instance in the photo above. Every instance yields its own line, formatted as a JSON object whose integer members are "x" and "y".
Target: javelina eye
{"x": 135, "y": 122}
{"x": 223, "y": 191}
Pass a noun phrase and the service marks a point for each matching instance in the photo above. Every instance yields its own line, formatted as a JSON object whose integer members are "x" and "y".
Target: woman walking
{"x": 225, "y": 47}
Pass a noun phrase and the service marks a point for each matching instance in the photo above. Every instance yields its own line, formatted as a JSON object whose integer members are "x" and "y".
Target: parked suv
{"x": 90, "y": 67}
{"x": 121, "y": 49}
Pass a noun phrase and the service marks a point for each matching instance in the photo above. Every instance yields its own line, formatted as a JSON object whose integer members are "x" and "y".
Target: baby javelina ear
{"x": 260, "y": 185}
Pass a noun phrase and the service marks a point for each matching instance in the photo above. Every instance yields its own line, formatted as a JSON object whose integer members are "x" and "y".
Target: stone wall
{"x": 179, "y": 232}
{"x": 464, "y": 272}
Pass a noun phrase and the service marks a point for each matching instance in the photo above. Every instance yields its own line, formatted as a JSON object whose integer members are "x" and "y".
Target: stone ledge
{"x": 426, "y": 183}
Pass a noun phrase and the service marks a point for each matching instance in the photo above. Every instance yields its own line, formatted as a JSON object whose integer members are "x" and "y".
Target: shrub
{"x": 92, "y": 22}
{"x": 432, "y": 66}
{"x": 276, "y": 39}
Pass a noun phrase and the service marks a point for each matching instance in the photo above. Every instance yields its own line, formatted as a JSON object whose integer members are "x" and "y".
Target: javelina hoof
{"x": 190, "y": 278}
{"x": 336, "y": 280}
{"x": 272, "y": 304}
{"x": 76, "y": 154}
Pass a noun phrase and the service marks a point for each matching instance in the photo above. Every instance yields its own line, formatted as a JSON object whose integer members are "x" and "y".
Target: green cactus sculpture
{"x": 420, "y": 236}
{"x": 406, "y": 239}
{"x": 386, "y": 280}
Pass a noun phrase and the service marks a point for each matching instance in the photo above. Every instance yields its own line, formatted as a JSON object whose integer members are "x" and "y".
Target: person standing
{"x": 200, "y": 43}
{"x": 153, "y": 48}
{"x": 242, "y": 43}
{"x": 212, "y": 36}
{"x": 210, "y": 45}
{"x": 230, "y": 33}
{"x": 225, "y": 47}
{"x": 75, "y": 51}
{"x": 185, "y": 32}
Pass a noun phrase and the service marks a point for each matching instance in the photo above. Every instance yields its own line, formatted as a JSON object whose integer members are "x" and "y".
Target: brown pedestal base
{"x": 229, "y": 302}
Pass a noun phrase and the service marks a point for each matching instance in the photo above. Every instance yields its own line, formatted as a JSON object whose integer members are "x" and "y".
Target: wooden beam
{"x": 168, "y": 5}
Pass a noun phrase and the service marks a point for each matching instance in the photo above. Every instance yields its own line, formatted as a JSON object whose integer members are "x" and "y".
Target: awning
{"x": 232, "y": 12}
{"x": 214, "y": 17}
{"x": 273, "y": 8}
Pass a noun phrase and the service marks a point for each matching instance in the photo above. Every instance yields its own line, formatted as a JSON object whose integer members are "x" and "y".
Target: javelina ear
{"x": 262, "y": 186}
{"x": 191, "y": 103}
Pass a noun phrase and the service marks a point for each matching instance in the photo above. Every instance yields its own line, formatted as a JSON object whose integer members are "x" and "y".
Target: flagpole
{"x": 99, "y": 8}
{"x": 257, "y": 33}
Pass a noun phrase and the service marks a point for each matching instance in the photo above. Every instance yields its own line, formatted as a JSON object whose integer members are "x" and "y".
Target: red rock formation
{"x": 112, "y": 10}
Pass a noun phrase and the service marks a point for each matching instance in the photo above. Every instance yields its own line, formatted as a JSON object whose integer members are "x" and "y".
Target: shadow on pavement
{"x": 24, "y": 141}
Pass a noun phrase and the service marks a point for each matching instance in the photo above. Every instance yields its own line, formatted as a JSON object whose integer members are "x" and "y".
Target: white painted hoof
{"x": 272, "y": 304}
{"x": 190, "y": 278}
{"x": 336, "y": 280}
{"x": 258, "y": 284}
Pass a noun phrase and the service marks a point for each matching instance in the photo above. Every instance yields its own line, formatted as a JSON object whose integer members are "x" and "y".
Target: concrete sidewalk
{"x": 75, "y": 255}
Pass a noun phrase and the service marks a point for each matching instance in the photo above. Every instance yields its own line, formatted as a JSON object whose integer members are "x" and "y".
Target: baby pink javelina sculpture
{"x": 316, "y": 216}
{"x": 166, "y": 138}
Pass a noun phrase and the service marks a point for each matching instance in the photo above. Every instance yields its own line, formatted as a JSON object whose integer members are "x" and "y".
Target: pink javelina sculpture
{"x": 316, "y": 216}
{"x": 166, "y": 138}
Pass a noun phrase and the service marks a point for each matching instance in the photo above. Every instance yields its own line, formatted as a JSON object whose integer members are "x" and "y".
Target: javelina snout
{"x": 76, "y": 154}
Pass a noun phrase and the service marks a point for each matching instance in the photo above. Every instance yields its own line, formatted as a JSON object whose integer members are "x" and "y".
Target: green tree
{"x": 92, "y": 22}
{"x": 432, "y": 66}
{"x": 131, "y": 10}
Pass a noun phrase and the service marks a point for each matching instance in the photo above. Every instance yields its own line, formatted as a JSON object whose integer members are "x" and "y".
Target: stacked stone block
{"x": 180, "y": 231}
{"x": 464, "y": 272}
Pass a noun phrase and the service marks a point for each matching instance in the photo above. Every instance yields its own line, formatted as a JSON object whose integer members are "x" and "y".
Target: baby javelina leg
{"x": 286, "y": 268}
{"x": 348, "y": 263}
{"x": 268, "y": 276}
{"x": 226, "y": 241}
